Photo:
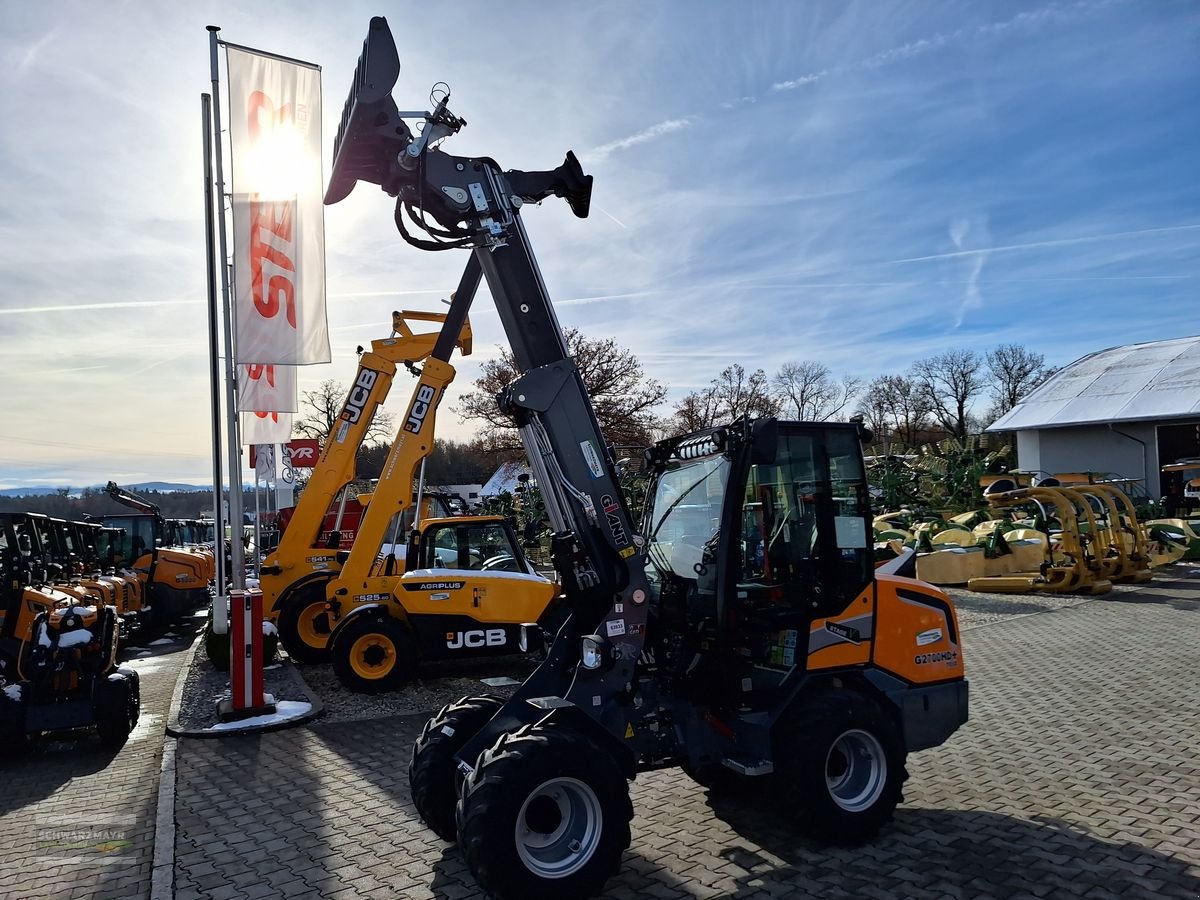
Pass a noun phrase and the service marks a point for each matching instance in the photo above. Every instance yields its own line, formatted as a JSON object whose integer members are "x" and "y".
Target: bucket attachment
{"x": 370, "y": 119}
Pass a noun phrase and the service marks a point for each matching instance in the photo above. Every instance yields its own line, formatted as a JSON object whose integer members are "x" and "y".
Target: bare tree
{"x": 624, "y": 399}
{"x": 320, "y": 408}
{"x": 697, "y": 410}
{"x": 949, "y": 382}
{"x": 732, "y": 394}
{"x": 895, "y": 405}
{"x": 810, "y": 392}
{"x": 1014, "y": 372}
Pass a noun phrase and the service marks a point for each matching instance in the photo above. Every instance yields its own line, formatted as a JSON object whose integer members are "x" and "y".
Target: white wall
{"x": 1093, "y": 448}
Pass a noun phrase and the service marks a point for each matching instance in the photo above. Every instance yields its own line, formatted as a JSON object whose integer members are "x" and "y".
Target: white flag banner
{"x": 264, "y": 462}
{"x": 266, "y": 427}
{"x": 278, "y": 217}
{"x": 263, "y": 387}
{"x": 285, "y": 486}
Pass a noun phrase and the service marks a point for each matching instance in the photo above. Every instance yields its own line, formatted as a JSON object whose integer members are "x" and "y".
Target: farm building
{"x": 1129, "y": 410}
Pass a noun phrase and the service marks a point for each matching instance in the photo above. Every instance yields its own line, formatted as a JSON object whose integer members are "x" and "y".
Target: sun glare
{"x": 277, "y": 166}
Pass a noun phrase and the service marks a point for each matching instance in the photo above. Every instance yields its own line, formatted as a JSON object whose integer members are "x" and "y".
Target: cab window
{"x": 479, "y": 546}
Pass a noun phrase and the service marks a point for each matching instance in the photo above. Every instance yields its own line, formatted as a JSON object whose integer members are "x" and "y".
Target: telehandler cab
{"x": 744, "y": 634}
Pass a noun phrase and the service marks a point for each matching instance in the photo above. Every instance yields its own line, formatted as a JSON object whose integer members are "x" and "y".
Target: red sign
{"x": 302, "y": 453}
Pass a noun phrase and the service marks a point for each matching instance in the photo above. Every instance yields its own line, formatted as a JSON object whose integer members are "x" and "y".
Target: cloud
{"x": 654, "y": 131}
{"x": 940, "y": 40}
{"x": 78, "y": 307}
{"x": 29, "y": 57}
{"x": 1057, "y": 242}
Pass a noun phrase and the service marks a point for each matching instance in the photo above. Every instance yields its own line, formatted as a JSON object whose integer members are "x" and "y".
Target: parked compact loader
{"x": 175, "y": 580}
{"x": 58, "y": 655}
{"x": 743, "y": 634}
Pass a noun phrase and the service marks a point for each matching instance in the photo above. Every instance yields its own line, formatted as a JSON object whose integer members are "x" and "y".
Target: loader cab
{"x": 108, "y": 545}
{"x": 478, "y": 543}
{"x": 70, "y": 550}
{"x": 136, "y": 536}
{"x": 795, "y": 496}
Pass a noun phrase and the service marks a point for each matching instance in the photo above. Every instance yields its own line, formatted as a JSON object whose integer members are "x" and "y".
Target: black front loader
{"x": 471, "y": 203}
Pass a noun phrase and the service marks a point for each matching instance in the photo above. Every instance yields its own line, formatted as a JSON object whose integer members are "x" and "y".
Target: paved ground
{"x": 77, "y": 820}
{"x": 1078, "y": 775}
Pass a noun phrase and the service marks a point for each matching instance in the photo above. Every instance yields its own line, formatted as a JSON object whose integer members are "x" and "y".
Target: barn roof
{"x": 1155, "y": 380}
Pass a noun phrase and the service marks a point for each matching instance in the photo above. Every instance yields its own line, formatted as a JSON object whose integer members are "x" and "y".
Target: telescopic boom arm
{"x": 470, "y": 202}
{"x": 126, "y": 497}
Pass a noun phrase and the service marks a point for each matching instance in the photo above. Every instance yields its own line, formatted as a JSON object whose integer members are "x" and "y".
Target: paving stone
{"x": 1076, "y": 777}
{"x": 74, "y": 800}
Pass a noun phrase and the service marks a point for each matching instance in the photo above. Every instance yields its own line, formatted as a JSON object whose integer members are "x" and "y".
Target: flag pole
{"x": 214, "y": 350}
{"x": 257, "y": 518}
{"x": 238, "y": 564}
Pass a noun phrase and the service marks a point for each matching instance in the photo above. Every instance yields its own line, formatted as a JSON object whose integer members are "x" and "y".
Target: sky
{"x": 860, "y": 184}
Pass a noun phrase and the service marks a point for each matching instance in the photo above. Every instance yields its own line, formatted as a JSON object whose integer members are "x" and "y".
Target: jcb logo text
{"x": 457, "y": 640}
{"x": 359, "y": 395}
{"x": 419, "y": 409}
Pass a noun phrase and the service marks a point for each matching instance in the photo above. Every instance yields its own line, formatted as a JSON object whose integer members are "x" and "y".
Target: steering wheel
{"x": 502, "y": 563}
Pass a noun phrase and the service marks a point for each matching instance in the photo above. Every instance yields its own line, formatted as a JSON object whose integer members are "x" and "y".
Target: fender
{"x": 289, "y": 593}
{"x": 378, "y": 610}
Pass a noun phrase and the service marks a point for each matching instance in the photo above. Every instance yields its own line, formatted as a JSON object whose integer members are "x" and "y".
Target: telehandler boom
{"x": 294, "y": 575}
{"x": 743, "y": 634}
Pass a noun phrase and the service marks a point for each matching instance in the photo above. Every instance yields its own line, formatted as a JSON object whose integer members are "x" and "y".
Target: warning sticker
{"x": 592, "y": 458}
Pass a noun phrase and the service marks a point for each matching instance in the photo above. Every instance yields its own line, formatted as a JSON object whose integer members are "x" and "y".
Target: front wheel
{"x": 304, "y": 627}
{"x": 372, "y": 654}
{"x": 839, "y": 763}
{"x": 544, "y": 814}
{"x": 433, "y": 773}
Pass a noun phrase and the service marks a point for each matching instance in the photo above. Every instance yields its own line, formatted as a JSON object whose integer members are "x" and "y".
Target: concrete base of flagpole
{"x": 226, "y": 712}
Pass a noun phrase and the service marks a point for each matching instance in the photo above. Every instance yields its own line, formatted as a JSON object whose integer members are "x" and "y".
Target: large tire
{"x": 839, "y": 765}
{"x": 544, "y": 815}
{"x": 432, "y": 773}
{"x": 115, "y": 704}
{"x": 372, "y": 654}
{"x": 14, "y": 740}
{"x": 304, "y": 627}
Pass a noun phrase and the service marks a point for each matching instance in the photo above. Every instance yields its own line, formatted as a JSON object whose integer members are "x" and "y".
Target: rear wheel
{"x": 544, "y": 814}
{"x": 839, "y": 763}
{"x": 433, "y": 773}
{"x": 304, "y": 627}
{"x": 115, "y": 704}
{"x": 13, "y": 702}
{"x": 372, "y": 654}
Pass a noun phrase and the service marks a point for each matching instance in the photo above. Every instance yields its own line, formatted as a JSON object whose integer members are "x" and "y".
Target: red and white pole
{"x": 246, "y": 658}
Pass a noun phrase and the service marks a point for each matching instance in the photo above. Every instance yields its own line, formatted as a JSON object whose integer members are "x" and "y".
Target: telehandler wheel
{"x": 433, "y": 773}
{"x": 839, "y": 765}
{"x": 304, "y": 627}
{"x": 544, "y": 815}
{"x": 14, "y": 740}
{"x": 372, "y": 654}
{"x": 116, "y": 703}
